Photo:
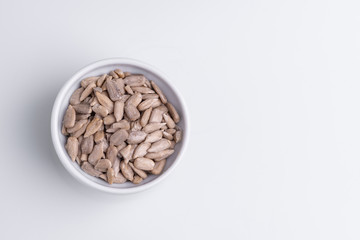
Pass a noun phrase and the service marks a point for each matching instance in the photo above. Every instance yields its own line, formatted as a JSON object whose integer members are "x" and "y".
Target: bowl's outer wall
{"x": 99, "y": 68}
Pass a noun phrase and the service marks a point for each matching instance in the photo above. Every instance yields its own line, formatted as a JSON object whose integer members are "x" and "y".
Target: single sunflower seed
{"x": 159, "y": 166}
{"x": 82, "y": 108}
{"x": 157, "y": 156}
{"x": 145, "y": 164}
{"x": 72, "y": 147}
{"x": 141, "y": 149}
{"x": 137, "y": 179}
{"x": 139, "y": 172}
{"x": 145, "y": 117}
{"x": 118, "y": 137}
{"x": 119, "y": 110}
{"x": 159, "y": 92}
{"x": 96, "y": 154}
{"x": 136, "y": 137}
{"x": 154, "y": 136}
{"x": 105, "y": 101}
{"x": 174, "y": 114}
{"x": 135, "y": 80}
{"x": 89, "y": 169}
{"x": 159, "y": 146}
{"x": 93, "y": 126}
{"x": 127, "y": 171}
{"x": 86, "y": 81}
{"x": 75, "y": 97}
{"x": 103, "y": 165}
{"x": 70, "y": 117}
{"x": 152, "y": 127}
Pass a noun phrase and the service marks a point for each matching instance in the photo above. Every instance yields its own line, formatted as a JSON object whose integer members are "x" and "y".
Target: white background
{"x": 272, "y": 89}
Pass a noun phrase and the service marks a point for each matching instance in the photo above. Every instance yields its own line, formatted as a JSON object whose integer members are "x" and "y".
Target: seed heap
{"x": 120, "y": 127}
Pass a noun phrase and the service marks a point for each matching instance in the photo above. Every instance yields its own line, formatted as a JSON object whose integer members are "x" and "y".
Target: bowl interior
{"x": 100, "y": 69}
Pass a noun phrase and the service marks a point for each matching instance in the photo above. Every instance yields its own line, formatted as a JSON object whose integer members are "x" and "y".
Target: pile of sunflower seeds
{"x": 120, "y": 127}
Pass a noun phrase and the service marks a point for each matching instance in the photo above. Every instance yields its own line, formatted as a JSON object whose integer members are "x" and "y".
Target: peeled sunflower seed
{"x": 132, "y": 112}
{"x": 63, "y": 131}
{"x": 139, "y": 172}
{"x": 87, "y": 145}
{"x": 99, "y": 135}
{"x": 150, "y": 96}
{"x": 137, "y": 179}
{"x": 134, "y": 100}
{"x": 143, "y": 90}
{"x": 105, "y": 145}
{"x": 100, "y": 80}
{"x": 119, "y": 73}
{"x": 125, "y": 97}
{"x": 77, "y": 126}
{"x": 146, "y": 104}
{"x": 75, "y": 97}
{"x": 93, "y": 126}
{"x": 118, "y": 137}
{"x": 105, "y": 101}
{"x": 118, "y": 110}
{"x": 167, "y": 135}
{"x": 129, "y": 90}
{"x": 121, "y": 146}
{"x": 113, "y": 74}
{"x": 111, "y": 154}
{"x": 96, "y": 154}
{"x": 82, "y": 116}
{"x": 175, "y": 116}
{"x": 159, "y": 166}
{"x": 69, "y": 118}
{"x": 145, "y": 117}
{"x": 159, "y": 146}
{"x": 169, "y": 121}
{"x": 145, "y": 164}
{"x": 121, "y": 124}
{"x": 156, "y": 115}
{"x": 136, "y": 137}
{"x": 110, "y": 119}
{"x": 141, "y": 149}
{"x": 81, "y": 131}
{"x": 110, "y": 175}
{"x": 157, "y": 156}
{"x": 94, "y": 102}
{"x": 119, "y": 178}
{"x": 152, "y": 127}
{"x": 154, "y": 136}
{"x": 72, "y": 147}
{"x": 113, "y": 90}
{"x": 83, "y": 157}
{"x": 126, "y": 153}
{"x": 159, "y": 92}
{"x": 172, "y": 144}
{"x": 156, "y": 103}
{"x": 127, "y": 171}
{"x": 101, "y": 110}
{"x": 116, "y": 166}
{"x": 136, "y": 126}
{"x": 171, "y": 131}
{"x": 178, "y": 136}
{"x": 88, "y": 90}
{"x": 89, "y": 169}
{"x": 102, "y": 165}
{"x": 135, "y": 80}
{"x": 82, "y": 108}
{"x": 86, "y": 81}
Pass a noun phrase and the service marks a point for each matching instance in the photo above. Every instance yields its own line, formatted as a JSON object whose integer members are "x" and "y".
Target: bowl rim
{"x": 62, "y": 155}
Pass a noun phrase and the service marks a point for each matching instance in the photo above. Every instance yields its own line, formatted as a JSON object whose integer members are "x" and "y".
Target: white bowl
{"x": 98, "y": 68}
